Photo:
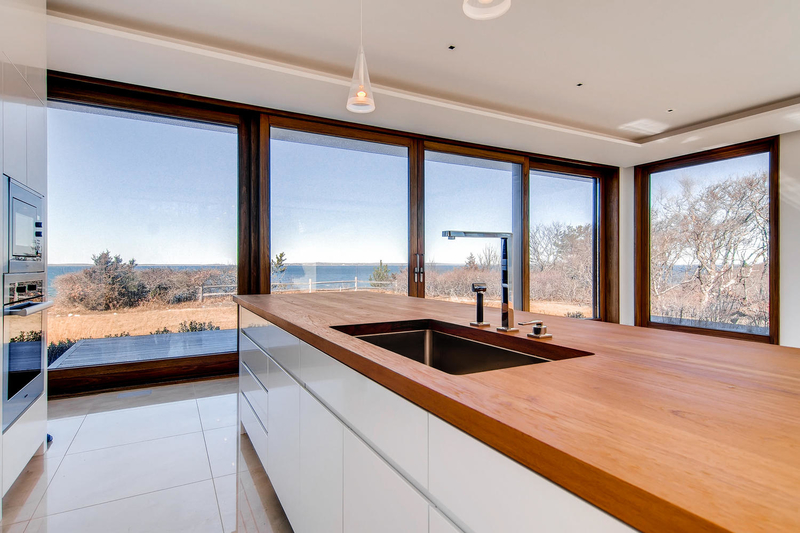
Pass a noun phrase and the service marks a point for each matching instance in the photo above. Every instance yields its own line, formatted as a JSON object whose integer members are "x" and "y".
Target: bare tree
{"x": 709, "y": 251}
{"x": 488, "y": 258}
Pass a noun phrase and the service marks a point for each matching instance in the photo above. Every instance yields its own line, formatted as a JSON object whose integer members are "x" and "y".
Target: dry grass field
{"x": 64, "y": 323}
{"x": 80, "y": 324}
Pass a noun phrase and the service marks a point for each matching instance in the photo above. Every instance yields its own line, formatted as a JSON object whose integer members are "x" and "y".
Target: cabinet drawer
{"x": 437, "y": 523}
{"x": 254, "y": 429}
{"x": 285, "y": 350}
{"x": 257, "y": 328}
{"x": 392, "y": 425}
{"x": 255, "y": 394}
{"x": 254, "y": 358}
{"x": 376, "y": 498}
{"x": 487, "y": 491}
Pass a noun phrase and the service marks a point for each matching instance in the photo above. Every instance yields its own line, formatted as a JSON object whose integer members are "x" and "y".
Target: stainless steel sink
{"x": 457, "y": 349}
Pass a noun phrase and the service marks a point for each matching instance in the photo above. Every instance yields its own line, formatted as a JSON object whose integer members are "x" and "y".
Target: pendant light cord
{"x": 361, "y": 25}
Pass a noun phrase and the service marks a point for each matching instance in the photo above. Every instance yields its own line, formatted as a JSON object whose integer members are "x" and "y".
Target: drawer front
{"x": 254, "y": 358}
{"x": 376, "y": 498}
{"x": 258, "y": 329}
{"x": 254, "y": 429}
{"x": 437, "y": 523}
{"x": 392, "y": 425}
{"x": 485, "y": 491}
{"x": 285, "y": 349}
{"x": 255, "y": 394}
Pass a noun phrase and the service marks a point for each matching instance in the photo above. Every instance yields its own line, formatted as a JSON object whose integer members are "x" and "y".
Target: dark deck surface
{"x": 93, "y": 352}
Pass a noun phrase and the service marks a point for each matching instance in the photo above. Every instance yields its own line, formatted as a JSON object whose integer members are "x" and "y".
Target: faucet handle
{"x": 531, "y": 323}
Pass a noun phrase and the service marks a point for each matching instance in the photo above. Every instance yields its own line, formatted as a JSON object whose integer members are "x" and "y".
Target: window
{"x": 142, "y": 237}
{"x": 563, "y": 244}
{"x": 709, "y": 233}
{"x": 466, "y": 194}
{"x": 339, "y": 214}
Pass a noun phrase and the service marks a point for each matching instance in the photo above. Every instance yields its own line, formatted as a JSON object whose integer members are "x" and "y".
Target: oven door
{"x": 23, "y": 230}
{"x": 23, "y": 356}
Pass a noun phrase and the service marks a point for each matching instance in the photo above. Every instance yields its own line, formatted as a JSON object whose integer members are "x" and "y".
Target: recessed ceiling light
{"x": 451, "y": 47}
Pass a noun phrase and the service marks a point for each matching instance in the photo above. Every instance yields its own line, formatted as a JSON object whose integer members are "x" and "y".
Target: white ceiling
{"x": 636, "y": 59}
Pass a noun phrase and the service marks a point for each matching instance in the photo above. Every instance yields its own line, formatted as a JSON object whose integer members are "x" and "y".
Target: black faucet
{"x": 479, "y": 289}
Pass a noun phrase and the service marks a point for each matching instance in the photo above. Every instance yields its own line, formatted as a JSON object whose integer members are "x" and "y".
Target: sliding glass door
{"x": 466, "y": 194}
{"x": 338, "y": 213}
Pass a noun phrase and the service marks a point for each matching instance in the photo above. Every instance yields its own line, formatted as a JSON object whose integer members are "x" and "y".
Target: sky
{"x": 709, "y": 173}
{"x": 159, "y": 193}
{"x": 166, "y": 193}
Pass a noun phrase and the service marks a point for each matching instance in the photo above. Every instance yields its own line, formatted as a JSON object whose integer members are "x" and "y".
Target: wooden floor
{"x": 94, "y": 352}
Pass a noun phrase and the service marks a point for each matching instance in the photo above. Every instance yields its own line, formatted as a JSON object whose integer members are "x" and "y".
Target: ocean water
{"x": 324, "y": 276}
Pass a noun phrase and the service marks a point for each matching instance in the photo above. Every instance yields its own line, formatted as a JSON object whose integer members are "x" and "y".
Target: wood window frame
{"x": 254, "y": 122}
{"x": 642, "y": 175}
{"x": 254, "y": 209}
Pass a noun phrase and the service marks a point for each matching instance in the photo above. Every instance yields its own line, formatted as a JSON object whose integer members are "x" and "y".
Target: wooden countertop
{"x": 666, "y": 431}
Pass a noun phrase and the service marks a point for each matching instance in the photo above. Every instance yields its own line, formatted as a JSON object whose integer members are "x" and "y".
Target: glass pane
{"x": 465, "y": 194}
{"x": 563, "y": 215}
{"x": 142, "y": 236}
{"x": 709, "y": 245}
{"x": 339, "y": 210}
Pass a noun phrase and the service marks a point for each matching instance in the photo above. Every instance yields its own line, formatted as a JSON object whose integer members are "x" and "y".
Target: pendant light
{"x": 486, "y": 9}
{"x": 360, "y": 98}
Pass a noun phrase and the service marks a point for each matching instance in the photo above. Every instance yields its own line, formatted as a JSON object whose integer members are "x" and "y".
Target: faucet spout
{"x": 506, "y": 312}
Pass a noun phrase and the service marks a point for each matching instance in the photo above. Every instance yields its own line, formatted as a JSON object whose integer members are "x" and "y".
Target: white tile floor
{"x": 160, "y": 459}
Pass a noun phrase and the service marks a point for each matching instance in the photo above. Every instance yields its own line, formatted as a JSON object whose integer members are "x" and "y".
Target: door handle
{"x": 29, "y": 310}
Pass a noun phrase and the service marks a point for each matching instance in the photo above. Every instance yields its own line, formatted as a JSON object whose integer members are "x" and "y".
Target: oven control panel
{"x": 17, "y": 291}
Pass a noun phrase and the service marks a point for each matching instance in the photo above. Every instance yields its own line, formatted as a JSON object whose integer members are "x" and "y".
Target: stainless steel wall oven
{"x": 23, "y": 342}
{"x": 23, "y": 300}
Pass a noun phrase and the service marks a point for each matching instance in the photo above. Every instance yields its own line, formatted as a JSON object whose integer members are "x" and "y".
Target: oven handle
{"x": 29, "y": 310}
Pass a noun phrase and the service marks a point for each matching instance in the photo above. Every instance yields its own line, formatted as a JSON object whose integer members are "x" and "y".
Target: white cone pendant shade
{"x": 360, "y": 98}
{"x": 486, "y": 9}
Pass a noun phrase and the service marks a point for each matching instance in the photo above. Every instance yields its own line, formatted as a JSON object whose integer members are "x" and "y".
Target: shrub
{"x": 57, "y": 349}
{"x": 27, "y": 336}
{"x": 123, "y": 334}
{"x": 110, "y": 283}
{"x": 191, "y": 326}
{"x": 162, "y": 331}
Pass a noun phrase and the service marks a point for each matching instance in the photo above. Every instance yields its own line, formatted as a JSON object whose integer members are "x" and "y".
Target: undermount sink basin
{"x": 457, "y": 349}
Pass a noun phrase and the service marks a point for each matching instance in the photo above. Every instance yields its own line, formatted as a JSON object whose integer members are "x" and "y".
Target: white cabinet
{"x": 376, "y": 498}
{"x": 256, "y": 328}
{"x": 395, "y": 427}
{"x": 437, "y": 523}
{"x": 254, "y": 358}
{"x": 254, "y": 391}
{"x": 24, "y": 138}
{"x": 485, "y": 491}
{"x": 283, "y": 425}
{"x": 321, "y": 467}
{"x": 16, "y": 95}
{"x": 284, "y": 348}
{"x": 36, "y": 140}
{"x": 254, "y": 428}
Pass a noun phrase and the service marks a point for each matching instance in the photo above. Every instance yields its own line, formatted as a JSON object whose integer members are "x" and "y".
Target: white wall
{"x": 790, "y": 239}
{"x": 626, "y": 247}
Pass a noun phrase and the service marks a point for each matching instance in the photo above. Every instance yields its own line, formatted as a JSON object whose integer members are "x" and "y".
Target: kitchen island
{"x": 664, "y": 431}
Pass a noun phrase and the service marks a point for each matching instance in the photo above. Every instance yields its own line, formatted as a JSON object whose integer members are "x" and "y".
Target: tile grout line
{"x": 60, "y": 462}
{"x": 211, "y": 471}
{"x": 135, "y": 442}
{"x": 121, "y": 499}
